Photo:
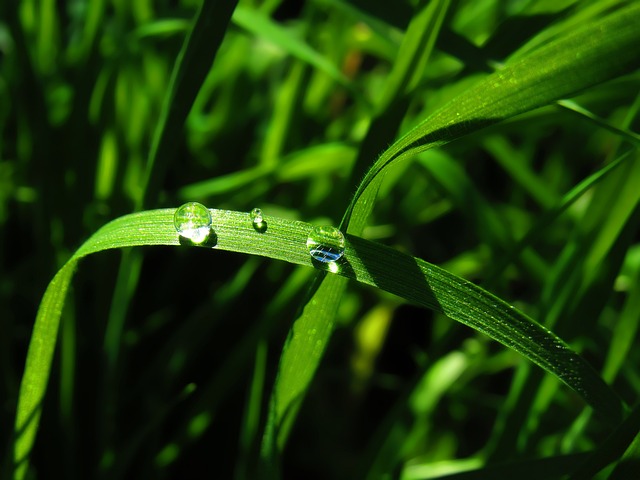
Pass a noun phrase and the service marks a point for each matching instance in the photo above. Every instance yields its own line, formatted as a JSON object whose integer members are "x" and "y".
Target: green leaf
{"x": 602, "y": 49}
{"x": 192, "y": 66}
{"x": 623, "y": 439}
{"x": 551, "y": 468}
{"x": 263, "y": 27}
{"x": 367, "y": 262}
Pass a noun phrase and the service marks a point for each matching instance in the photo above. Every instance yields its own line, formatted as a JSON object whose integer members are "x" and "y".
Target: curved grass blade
{"x": 599, "y": 51}
{"x": 407, "y": 73}
{"x": 367, "y": 262}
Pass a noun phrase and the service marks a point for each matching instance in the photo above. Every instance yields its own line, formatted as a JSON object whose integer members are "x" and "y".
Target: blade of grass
{"x": 319, "y": 311}
{"x": 599, "y": 51}
{"x": 612, "y": 449}
{"x": 263, "y": 27}
{"x": 580, "y": 111}
{"x": 189, "y": 73}
{"x": 192, "y": 66}
{"x": 549, "y": 468}
{"x": 367, "y": 262}
{"x": 629, "y": 464}
{"x": 552, "y": 214}
{"x": 492, "y": 229}
{"x": 296, "y": 166}
{"x": 580, "y": 283}
{"x": 407, "y": 73}
{"x": 628, "y": 323}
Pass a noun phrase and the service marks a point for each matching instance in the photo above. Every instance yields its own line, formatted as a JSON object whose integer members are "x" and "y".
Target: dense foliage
{"x": 492, "y": 138}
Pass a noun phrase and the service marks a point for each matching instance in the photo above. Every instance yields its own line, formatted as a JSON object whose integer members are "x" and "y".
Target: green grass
{"x": 481, "y": 159}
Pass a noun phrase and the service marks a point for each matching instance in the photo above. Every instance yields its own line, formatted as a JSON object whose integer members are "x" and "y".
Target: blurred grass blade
{"x": 318, "y": 314}
{"x": 416, "y": 48}
{"x": 408, "y": 71}
{"x": 580, "y": 111}
{"x": 629, "y": 464}
{"x": 365, "y": 261}
{"x": 300, "y": 358}
{"x": 552, "y": 214}
{"x": 192, "y": 66}
{"x": 535, "y": 469}
{"x": 628, "y": 324}
{"x": 600, "y": 50}
{"x": 263, "y": 27}
{"x": 613, "y": 448}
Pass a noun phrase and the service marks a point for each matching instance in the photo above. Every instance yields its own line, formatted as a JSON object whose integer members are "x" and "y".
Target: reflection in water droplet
{"x": 193, "y": 221}
{"x": 256, "y": 215}
{"x": 258, "y": 220}
{"x": 326, "y": 244}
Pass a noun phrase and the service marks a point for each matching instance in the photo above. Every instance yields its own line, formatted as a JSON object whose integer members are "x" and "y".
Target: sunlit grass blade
{"x": 303, "y": 164}
{"x": 301, "y": 355}
{"x": 601, "y": 50}
{"x": 37, "y": 368}
{"x": 364, "y": 261}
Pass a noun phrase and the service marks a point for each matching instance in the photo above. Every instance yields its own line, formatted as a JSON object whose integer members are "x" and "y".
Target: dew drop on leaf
{"x": 258, "y": 220}
{"x": 256, "y": 216}
{"x": 193, "y": 221}
{"x": 326, "y": 244}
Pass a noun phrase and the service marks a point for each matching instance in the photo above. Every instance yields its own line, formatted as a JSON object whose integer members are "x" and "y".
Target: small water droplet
{"x": 258, "y": 220}
{"x": 326, "y": 244}
{"x": 256, "y": 215}
{"x": 193, "y": 221}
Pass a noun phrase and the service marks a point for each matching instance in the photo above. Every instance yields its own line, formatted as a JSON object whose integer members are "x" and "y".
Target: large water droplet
{"x": 256, "y": 215}
{"x": 326, "y": 244}
{"x": 193, "y": 221}
{"x": 258, "y": 220}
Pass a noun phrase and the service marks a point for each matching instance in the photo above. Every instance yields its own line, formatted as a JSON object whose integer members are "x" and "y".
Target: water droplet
{"x": 256, "y": 215}
{"x": 258, "y": 220}
{"x": 326, "y": 244}
{"x": 193, "y": 221}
